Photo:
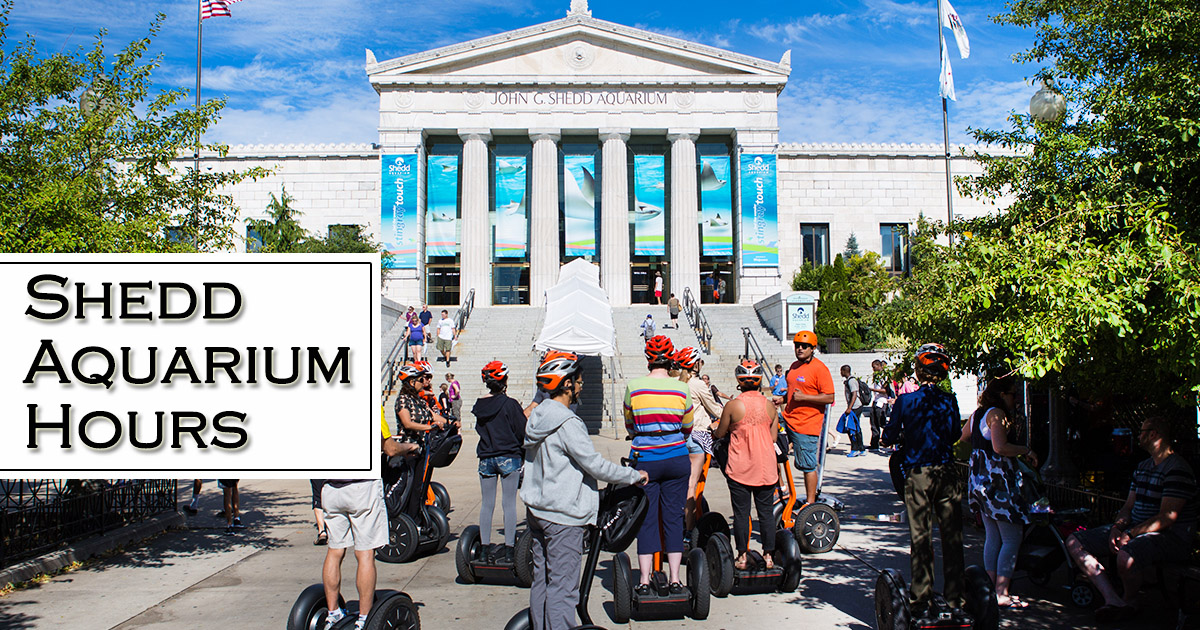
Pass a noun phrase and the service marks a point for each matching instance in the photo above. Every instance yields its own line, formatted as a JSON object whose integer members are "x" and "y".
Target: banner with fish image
{"x": 512, "y": 225}
{"x": 579, "y": 205}
{"x": 649, "y": 222}
{"x": 716, "y": 207}
{"x": 398, "y": 209}
{"x": 760, "y": 215}
{"x": 441, "y": 206}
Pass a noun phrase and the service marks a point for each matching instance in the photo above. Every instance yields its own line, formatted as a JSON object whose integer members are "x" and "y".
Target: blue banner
{"x": 398, "y": 201}
{"x": 579, "y": 205}
{"x": 716, "y": 207}
{"x": 760, "y": 216}
{"x": 649, "y": 222}
{"x": 512, "y": 231}
{"x": 441, "y": 206}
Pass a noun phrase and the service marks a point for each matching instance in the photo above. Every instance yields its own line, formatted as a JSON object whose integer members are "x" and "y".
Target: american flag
{"x": 215, "y": 8}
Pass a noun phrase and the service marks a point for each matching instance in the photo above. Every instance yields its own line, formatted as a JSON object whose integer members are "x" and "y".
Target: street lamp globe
{"x": 1047, "y": 105}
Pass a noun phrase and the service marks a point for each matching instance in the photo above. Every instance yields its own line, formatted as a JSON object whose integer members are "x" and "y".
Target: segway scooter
{"x": 620, "y": 516}
{"x": 713, "y": 535}
{"x": 893, "y": 611}
{"x": 391, "y": 610}
{"x": 816, "y": 526}
{"x": 474, "y": 565}
{"x": 415, "y": 528}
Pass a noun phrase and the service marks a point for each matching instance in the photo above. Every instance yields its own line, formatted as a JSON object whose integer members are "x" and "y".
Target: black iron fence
{"x": 38, "y": 516}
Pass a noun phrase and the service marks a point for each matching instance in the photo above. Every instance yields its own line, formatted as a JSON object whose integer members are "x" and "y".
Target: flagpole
{"x": 945, "y": 131}
{"x": 199, "y": 44}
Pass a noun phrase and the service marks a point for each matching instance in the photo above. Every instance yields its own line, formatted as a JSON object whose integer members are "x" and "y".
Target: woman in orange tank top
{"x": 751, "y": 423}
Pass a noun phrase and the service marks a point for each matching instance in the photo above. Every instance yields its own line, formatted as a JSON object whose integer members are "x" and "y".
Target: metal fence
{"x": 38, "y": 516}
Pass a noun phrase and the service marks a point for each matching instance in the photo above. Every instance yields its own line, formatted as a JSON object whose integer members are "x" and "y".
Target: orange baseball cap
{"x": 805, "y": 336}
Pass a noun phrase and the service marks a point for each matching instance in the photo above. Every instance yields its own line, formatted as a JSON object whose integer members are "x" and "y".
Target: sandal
{"x": 742, "y": 564}
{"x": 322, "y": 538}
{"x": 1013, "y": 603}
{"x": 768, "y": 561}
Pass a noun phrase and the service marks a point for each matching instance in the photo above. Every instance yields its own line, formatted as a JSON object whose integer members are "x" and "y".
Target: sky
{"x": 292, "y": 71}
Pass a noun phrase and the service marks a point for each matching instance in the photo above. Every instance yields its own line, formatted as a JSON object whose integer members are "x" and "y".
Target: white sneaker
{"x": 332, "y": 617}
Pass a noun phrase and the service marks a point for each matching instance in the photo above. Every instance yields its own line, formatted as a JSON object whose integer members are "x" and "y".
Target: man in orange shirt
{"x": 809, "y": 390}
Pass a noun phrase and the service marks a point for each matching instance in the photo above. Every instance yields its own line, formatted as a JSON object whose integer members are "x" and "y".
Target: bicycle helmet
{"x": 620, "y": 517}
{"x": 408, "y": 371}
{"x": 425, "y": 367}
{"x": 749, "y": 373}
{"x": 933, "y": 357}
{"x": 496, "y": 371}
{"x": 805, "y": 336}
{"x": 659, "y": 349}
{"x": 688, "y": 358}
{"x": 556, "y": 367}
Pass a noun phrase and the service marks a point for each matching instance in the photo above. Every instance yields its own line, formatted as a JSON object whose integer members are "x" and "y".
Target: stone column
{"x": 476, "y": 267}
{"x": 544, "y": 254}
{"x": 685, "y": 213}
{"x": 614, "y": 219}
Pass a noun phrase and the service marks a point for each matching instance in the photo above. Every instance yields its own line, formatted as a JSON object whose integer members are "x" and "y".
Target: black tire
{"x": 520, "y": 621}
{"x": 523, "y": 558}
{"x": 402, "y": 541}
{"x": 891, "y": 601}
{"x": 441, "y": 496}
{"x": 777, "y": 510}
{"x": 699, "y": 584}
{"x": 308, "y": 613}
{"x": 709, "y": 524}
{"x": 1083, "y": 595}
{"x": 468, "y": 550}
{"x": 720, "y": 564}
{"x": 787, "y": 555}
{"x": 817, "y": 528}
{"x": 1041, "y": 579}
{"x": 437, "y": 520}
{"x": 981, "y": 599}
{"x": 622, "y": 588}
{"x": 392, "y": 499}
{"x": 397, "y": 612}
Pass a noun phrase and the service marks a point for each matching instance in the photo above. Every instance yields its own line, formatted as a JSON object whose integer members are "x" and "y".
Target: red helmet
{"x": 688, "y": 358}
{"x": 749, "y": 373}
{"x": 556, "y": 367}
{"x": 496, "y": 371}
{"x": 659, "y": 349}
{"x": 933, "y": 357}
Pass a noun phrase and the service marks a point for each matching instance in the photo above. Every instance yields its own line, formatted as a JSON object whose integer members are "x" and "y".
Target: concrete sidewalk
{"x": 203, "y": 578}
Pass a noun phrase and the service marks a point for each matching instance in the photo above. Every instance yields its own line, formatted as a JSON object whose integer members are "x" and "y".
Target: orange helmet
{"x": 805, "y": 336}
{"x": 749, "y": 373}
{"x": 933, "y": 357}
{"x": 424, "y": 366}
{"x": 688, "y": 358}
{"x": 659, "y": 349}
{"x": 408, "y": 371}
{"x": 556, "y": 367}
{"x": 496, "y": 371}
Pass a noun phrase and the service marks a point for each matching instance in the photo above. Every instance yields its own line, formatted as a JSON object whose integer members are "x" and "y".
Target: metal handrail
{"x": 464, "y": 311}
{"x": 388, "y": 377}
{"x": 697, "y": 321}
{"x": 752, "y": 344}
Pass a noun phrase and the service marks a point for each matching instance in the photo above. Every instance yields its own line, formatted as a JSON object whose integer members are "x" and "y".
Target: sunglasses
{"x": 805, "y": 346}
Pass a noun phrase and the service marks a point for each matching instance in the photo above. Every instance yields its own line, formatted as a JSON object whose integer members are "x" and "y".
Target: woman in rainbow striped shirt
{"x": 658, "y": 414}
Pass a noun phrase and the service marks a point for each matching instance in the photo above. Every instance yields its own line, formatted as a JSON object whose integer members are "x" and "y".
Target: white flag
{"x": 951, "y": 21}
{"x": 947, "y": 78}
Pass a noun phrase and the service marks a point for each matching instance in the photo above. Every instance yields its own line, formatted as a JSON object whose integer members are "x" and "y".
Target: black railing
{"x": 39, "y": 516}
{"x": 753, "y": 351}
{"x": 395, "y": 358}
{"x": 698, "y": 322}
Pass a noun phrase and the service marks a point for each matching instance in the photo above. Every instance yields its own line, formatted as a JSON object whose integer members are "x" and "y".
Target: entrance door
{"x": 708, "y": 282}
{"x": 642, "y": 277}
{"x": 510, "y": 283}
{"x": 441, "y": 285}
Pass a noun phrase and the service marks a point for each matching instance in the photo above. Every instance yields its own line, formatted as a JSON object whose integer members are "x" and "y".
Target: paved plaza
{"x": 199, "y": 577}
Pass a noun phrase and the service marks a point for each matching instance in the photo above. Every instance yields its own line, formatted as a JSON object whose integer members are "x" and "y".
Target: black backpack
{"x": 865, "y": 395}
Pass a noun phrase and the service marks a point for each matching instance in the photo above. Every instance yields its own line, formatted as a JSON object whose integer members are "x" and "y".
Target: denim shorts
{"x": 699, "y": 442}
{"x": 503, "y": 465}
{"x": 804, "y": 448}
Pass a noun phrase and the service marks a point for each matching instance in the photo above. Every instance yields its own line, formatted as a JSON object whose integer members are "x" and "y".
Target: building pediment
{"x": 576, "y": 50}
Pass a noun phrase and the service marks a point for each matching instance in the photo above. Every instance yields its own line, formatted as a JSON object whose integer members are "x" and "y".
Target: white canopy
{"x": 578, "y": 315}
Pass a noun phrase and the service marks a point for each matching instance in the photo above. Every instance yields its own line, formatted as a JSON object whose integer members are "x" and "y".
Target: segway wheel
{"x": 1041, "y": 579}
{"x": 699, "y": 584}
{"x": 981, "y": 599}
{"x": 402, "y": 540}
{"x": 520, "y": 621}
{"x": 720, "y": 564}
{"x": 709, "y": 524}
{"x": 397, "y": 612}
{"x": 891, "y": 601}
{"x": 1083, "y": 595}
{"x": 787, "y": 555}
{"x": 441, "y": 496}
{"x": 308, "y": 613}
{"x": 622, "y": 588}
{"x": 436, "y": 519}
{"x": 817, "y": 528}
{"x": 777, "y": 510}
{"x": 523, "y": 558}
{"x": 467, "y": 551}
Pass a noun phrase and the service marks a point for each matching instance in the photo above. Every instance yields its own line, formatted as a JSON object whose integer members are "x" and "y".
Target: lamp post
{"x": 1047, "y": 105}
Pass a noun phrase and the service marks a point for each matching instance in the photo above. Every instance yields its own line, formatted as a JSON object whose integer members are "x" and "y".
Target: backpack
{"x": 865, "y": 395}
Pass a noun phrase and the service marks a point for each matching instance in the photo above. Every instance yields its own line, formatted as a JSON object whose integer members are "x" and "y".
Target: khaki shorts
{"x": 445, "y": 345}
{"x": 355, "y": 515}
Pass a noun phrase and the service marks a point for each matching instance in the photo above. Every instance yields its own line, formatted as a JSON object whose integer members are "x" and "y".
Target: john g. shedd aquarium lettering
{"x": 569, "y": 97}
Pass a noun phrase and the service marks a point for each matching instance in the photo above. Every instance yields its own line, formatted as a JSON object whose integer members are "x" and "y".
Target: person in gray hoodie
{"x": 562, "y": 469}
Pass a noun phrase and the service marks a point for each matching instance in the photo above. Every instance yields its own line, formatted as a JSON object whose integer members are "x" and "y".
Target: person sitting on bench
{"x": 1154, "y": 526}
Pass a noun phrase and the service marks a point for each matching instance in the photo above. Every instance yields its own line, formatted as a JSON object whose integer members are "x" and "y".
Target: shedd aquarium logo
{"x": 758, "y": 165}
{"x": 399, "y": 166}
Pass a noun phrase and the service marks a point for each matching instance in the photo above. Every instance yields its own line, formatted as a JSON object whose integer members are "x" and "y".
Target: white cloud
{"x": 341, "y": 119}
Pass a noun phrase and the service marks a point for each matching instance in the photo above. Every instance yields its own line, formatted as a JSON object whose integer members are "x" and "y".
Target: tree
{"x": 104, "y": 177}
{"x": 852, "y": 294}
{"x": 282, "y": 233}
{"x": 1092, "y": 275}
{"x": 852, "y": 249}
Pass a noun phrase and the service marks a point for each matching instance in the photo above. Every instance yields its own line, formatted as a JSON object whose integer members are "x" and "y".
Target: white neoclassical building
{"x": 501, "y": 158}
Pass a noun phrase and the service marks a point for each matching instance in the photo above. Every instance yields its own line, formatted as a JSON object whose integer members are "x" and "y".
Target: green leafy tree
{"x": 104, "y": 177}
{"x": 1092, "y": 274}
{"x": 282, "y": 233}
{"x": 852, "y": 248}
{"x": 853, "y": 292}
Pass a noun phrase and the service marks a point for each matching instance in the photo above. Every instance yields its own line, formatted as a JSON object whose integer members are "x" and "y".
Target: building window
{"x": 894, "y": 247}
{"x": 814, "y": 242}
{"x": 176, "y": 235}
{"x": 254, "y": 240}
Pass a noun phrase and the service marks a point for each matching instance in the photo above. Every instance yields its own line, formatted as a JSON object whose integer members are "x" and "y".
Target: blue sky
{"x": 292, "y": 70}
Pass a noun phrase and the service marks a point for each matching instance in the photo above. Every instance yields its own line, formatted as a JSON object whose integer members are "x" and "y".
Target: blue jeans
{"x": 503, "y": 465}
